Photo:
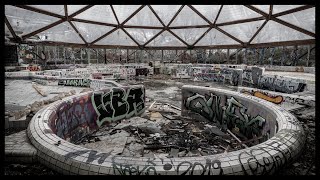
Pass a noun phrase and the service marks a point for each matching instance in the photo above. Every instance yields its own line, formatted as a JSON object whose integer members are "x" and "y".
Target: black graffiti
{"x": 92, "y": 155}
{"x": 211, "y": 109}
{"x": 211, "y": 167}
{"x": 128, "y": 169}
{"x": 269, "y": 163}
{"x": 75, "y": 82}
{"x": 280, "y": 84}
{"x": 118, "y": 104}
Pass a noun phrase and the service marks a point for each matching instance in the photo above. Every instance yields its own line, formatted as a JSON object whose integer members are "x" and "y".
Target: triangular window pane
{"x": 187, "y": 17}
{"x": 61, "y": 33}
{"x": 7, "y": 31}
{"x": 99, "y": 13}
{"x": 91, "y": 32}
{"x": 304, "y": 19}
{"x": 124, "y": 11}
{"x": 264, "y": 8}
{"x": 144, "y": 17}
{"x": 166, "y": 12}
{"x": 275, "y": 32}
{"x": 142, "y": 35}
{"x": 243, "y": 31}
{"x": 189, "y": 35}
{"x": 73, "y": 8}
{"x": 166, "y": 39}
{"x": 24, "y": 22}
{"x": 280, "y": 8}
{"x": 57, "y": 9}
{"x": 235, "y": 12}
{"x": 209, "y": 11}
{"x": 215, "y": 37}
{"x": 118, "y": 37}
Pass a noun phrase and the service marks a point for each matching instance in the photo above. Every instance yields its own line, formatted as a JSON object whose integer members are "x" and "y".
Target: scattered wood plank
{"x": 41, "y": 92}
{"x": 234, "y": 136}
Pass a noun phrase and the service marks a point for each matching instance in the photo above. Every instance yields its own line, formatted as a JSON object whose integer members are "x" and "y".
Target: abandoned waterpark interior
{"x": 159, "y": 90}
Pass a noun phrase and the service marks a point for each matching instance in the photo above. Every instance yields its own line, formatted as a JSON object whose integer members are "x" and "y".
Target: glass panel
{"x": 99, "y": 13}
{"x": 144, "y": 17}
{"x": 209, "y": 11}
{"x": 264, "y": 8}
{"x": 187, "y": 17}
{"x": 142, "y": 35}
{"x": 61, "y": 33}
{"x": 281, "y": 8}
{"x": 189, "y": 35}
{"x": 74, "y": 8}
{"x": 235, "y": 12}
{"x": 57, "y": 9}
{"x": 166, "y": 12}
{"x": 7, "y": 31}
{"x": 118, "y": 37}
{"x": 243, "y": 31}
{"x": 124, "y": 11}
{"x": 274, "y": 32}
{"x": 304, "y": 19}
{"x": 91, "y": 32}
{"x": 215, "y": 37}
{"x": 166, "y": 39}
{"x": 23, "y": 21}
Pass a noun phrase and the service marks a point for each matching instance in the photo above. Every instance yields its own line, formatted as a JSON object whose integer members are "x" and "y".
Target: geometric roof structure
{"x": 162, "y": 26}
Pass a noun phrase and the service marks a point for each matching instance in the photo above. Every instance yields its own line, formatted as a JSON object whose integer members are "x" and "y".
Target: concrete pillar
{"x": 127, "y": 55}
{"x": 64, "y": 54}
{"x": 97, "y": 56}
{"x": 162, "y": 55}
{"x": 105, "y": 56}
{"x": 245, "y": 56}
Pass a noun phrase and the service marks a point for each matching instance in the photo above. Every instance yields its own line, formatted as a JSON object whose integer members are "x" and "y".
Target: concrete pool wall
{"x": 51, "y": 129}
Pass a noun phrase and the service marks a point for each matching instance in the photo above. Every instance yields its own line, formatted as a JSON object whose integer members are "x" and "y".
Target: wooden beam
{"x": 78, "y": 32}
{"x": 153, "y": 38}
{"x": 114, "y": 13}
{"x": 134, "y": 13}
{"x": 141, "y": 27}
{"x": 241, "y": 21}
{"x": 257, "y": 32}
{"x": 66, "y": 11}
{"x": 175, "y": 15}
{"x": 215, "y": 21}
{"x": 156, "y": 15}
{"x": 92, "y": 22}
{"x": 103, "y": 36}
{"x": 257, "y": 10}
{"x": 270, "y": 11}
{"x": 301, "y": 8}
{"x": 189, "y": 27}
{"x": 178, "y": 38}
{"x": 39, "y": 11}
{"x": 197, "y": 12}
{"x": 234, "y": 38}
{"x": 10, "y": 28}
{"x": 80, "y": 11}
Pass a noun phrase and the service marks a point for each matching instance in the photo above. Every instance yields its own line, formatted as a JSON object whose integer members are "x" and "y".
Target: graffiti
{"x": 92, "y": 155}
{"x": 211, "y": 109}
{"x": 142, "y": 72}
{"x": 74, "y": 82}
{"x": 280, "y": 84}
{"x": 210, "y": 168}
{"x": 247, "y": 125}
{"x": 34, "y": 68}
{"x": 261, "y": 162}
{"x": 118, "y": 103}
{"x": 128, "y": 169}
{"x": 73, "y": 118}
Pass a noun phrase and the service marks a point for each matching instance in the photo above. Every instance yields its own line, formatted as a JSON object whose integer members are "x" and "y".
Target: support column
{"x": 97, "y": 56}
{"x": 105, "y": 56}
{"x": 88, "y": 55}
{"x": 162, "y": 55}
{"x": 283, "y": 55}
{"x": 245, "y": 57}
{"x": 308, "y": 57}
{"x": 236, "y": 56}
{"x": 64, "y": 54}
{"x": 228, "y": 56}
{"x": 127, "y": 55}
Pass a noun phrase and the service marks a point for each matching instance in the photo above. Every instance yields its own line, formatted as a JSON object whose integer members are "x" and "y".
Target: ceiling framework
{"x": 210, "y": 25}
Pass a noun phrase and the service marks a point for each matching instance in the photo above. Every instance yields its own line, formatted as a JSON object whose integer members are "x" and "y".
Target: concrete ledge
{"x": 18, "y": 148}
{"x": 265, "y": 158}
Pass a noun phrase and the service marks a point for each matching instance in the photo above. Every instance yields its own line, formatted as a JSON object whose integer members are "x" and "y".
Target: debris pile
{"x": 162, "y": 132}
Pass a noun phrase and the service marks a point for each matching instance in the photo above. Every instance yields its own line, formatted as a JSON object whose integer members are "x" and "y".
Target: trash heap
{"x": 162, "y": 132}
